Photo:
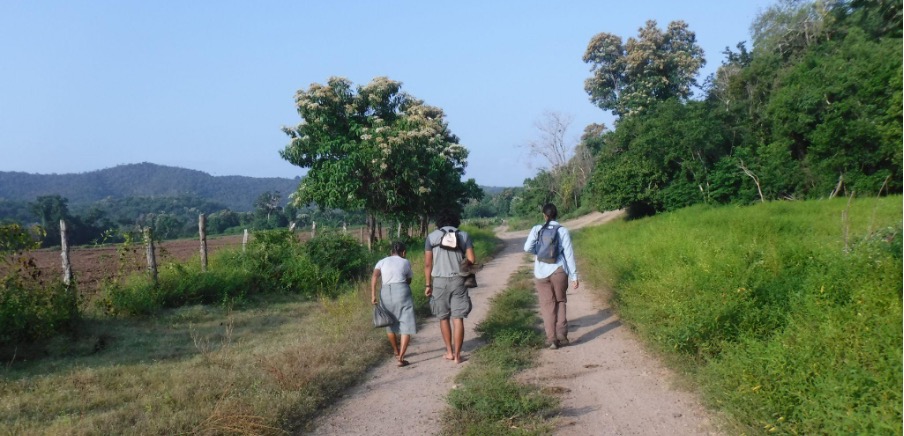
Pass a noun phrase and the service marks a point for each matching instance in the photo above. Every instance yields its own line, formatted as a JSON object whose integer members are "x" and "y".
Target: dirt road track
{"x": 609, "y": 384}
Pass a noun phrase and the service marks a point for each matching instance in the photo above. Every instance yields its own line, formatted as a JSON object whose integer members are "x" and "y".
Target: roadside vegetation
{"x": 272, "y": 346}
{"x": 787, "y": 314}
{"x": 487, "y": 398}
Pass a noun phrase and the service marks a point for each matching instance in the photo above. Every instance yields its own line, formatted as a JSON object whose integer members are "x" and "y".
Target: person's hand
{"x": 428, "y": 291}
{"x": 373, "y": 299}
{"x": 575, "y": 284}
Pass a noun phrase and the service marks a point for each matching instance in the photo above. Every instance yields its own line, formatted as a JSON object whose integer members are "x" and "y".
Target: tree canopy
{"x": 378, "y": 148}
{"x": 631, "y": 76}
{"x": 812, "y": 111}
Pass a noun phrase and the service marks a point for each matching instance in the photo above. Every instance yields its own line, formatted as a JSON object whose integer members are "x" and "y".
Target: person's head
{"x": 447, "y": 217}
{"x": 398, "y": 248}
{"x": 550, "y": 212}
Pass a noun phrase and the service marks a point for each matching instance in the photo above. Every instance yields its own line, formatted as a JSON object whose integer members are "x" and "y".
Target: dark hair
{"x": 551, "y": 212}
{"x": 447, "y": 217}
{"x": 398, "y": 247}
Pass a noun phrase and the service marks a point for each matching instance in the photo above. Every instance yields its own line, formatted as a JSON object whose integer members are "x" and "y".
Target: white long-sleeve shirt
{"x": 565, "y": 259}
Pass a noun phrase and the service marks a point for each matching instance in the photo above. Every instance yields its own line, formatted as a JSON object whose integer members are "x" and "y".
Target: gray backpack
{"x": 548, "y": 244}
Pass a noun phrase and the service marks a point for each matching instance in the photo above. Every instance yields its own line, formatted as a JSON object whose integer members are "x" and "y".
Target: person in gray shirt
{"x": 449, "y": 296}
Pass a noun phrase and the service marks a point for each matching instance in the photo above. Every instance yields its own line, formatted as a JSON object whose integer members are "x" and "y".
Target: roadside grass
{"x": 487, "y": 400}
{"x": 267, "y": 364}
{"x": 787, "y": 314}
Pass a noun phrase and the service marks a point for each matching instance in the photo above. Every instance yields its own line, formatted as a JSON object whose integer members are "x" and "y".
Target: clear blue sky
{"x": 86, "y": 85}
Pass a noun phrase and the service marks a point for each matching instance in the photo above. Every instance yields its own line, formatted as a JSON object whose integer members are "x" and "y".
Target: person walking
{"x": 554, "y": 266}
{"x": 394, "y": 273}
{"x": 444, "y": 250}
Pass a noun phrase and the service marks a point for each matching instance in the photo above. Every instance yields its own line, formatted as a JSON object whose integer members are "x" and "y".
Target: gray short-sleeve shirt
{"x": 446, "y": 263}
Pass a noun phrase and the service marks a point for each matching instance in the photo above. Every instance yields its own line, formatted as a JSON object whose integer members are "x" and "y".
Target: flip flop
{"x": 403, "y": 363}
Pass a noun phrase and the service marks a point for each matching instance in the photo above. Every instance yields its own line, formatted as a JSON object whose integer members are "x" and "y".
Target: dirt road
{"x": 609, "y": 385}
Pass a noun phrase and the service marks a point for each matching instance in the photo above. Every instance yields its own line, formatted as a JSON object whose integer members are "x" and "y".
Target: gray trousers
{"x": 551, "y": 294}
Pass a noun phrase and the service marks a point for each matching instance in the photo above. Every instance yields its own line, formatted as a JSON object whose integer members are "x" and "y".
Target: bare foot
{"x": 448, "y": 357}
{"x": 460, "y": 360}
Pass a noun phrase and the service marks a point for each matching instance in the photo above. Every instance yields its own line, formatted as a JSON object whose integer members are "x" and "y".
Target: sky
{"x": 208, "y": 85}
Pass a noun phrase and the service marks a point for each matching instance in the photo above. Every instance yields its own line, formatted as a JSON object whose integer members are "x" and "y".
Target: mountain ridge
{"x": 142, "y": 180}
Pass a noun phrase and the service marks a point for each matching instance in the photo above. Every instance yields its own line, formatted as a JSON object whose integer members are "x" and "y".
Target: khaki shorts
{"x": 450, "y": 298}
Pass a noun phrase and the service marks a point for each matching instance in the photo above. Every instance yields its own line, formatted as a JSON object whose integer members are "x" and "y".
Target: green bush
{"x": 790, "y": 312}
{"x": 135, "y": 295}
{"x": 339, "y": 252}
{"x": 31, "y": 307}
{"x": 274, "y": 261}
{"x": 31, "y": 310}
{"x": 183, "y": 284}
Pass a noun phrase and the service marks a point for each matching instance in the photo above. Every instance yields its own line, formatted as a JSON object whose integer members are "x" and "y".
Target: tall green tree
{"x": 838, "y": 114}
{"x": 376, "y": 148}
{"x": 630, "y": 76}
{"x": 268, "y": 203}
{"x": 661, "y": 159}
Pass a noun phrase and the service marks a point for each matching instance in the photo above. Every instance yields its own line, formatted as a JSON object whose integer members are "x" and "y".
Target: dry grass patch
{"x": 204, "y": 370}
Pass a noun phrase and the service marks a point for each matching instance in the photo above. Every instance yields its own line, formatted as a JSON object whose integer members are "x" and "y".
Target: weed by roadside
{"x": 486, "y": 399}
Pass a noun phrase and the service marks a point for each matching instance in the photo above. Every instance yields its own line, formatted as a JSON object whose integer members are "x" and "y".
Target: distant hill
{"x": 143, "y": 180}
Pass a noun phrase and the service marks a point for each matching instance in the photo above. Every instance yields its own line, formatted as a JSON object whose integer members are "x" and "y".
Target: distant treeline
{"x": 112, "y": 218}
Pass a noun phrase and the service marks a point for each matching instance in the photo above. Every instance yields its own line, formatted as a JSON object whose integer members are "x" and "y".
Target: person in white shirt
{"x": 551, "y": 276}
{"x": 395, "y": 274}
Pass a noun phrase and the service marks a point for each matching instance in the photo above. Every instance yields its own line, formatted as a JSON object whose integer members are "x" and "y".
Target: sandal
{"x": 403, "y": 363}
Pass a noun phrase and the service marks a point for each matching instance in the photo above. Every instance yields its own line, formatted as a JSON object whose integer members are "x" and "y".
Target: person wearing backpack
{"x": 444, "y": 250}
{"x": 554, "y": 266}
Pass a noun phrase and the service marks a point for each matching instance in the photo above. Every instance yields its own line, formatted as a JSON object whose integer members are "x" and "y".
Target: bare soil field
{"x": 91, "y": 265}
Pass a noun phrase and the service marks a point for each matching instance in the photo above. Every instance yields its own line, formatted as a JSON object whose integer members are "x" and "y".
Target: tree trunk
{"x": 371, "y": 231}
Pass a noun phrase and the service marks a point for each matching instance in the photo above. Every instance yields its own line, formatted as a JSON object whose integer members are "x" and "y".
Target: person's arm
{"x": 428, "y": 271}
{"x": 531, "y": 242}
{"x": 408, "y": 273}
{"x": 469, "y": 254}
{"x": 373, "y": 285}
{"x": 568, "y": 251}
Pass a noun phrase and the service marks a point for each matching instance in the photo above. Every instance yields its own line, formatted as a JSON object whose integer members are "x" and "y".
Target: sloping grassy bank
{"x": 265, "y": 366}
{"x": 787, "y": 314}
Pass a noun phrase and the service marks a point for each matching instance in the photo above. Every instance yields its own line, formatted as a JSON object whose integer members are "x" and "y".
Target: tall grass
{"x": 788, "y": 314}
{"x": 265, "y": 366}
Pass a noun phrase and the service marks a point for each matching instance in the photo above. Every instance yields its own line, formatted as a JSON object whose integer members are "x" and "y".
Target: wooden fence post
{"x": 244, "y": 240}
{"x": 152, "y": 258}
{"x": 202, "y": 230}
{"x": 64, "y": 245}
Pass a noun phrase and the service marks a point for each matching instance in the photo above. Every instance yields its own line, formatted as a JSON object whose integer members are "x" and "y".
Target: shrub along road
{"x": 608, "y": 383}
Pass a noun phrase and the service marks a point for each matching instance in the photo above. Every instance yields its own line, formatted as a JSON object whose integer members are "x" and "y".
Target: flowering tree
{"x": 657, "y": 65}
{"x": 376, "y": 148}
